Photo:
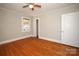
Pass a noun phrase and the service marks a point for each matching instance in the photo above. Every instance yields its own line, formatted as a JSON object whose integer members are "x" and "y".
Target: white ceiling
{"x": 45, "y": 7}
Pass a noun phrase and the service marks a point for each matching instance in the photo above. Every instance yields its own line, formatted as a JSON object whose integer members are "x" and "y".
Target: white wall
{"x": 50, "y": 22}
{"x": 10, "y": 25}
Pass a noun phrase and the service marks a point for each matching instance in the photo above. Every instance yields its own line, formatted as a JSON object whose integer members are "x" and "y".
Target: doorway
{"x": 36, "y": 27}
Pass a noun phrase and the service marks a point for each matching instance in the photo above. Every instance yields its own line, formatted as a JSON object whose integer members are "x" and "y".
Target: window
{"x": 25, "y": 24}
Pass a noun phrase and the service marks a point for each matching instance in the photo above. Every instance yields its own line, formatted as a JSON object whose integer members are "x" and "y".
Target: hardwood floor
{"x": 37, "y": 47}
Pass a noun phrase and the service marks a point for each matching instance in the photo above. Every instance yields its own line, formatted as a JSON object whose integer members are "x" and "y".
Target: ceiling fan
{"x": 32, "y": 6}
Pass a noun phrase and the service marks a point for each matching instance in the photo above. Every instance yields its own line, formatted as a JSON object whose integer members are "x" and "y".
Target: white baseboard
{"x": 53, "y": 40}
{"x": 11, "y": 40}
{"x": 61, "y": 42}
{"x": 44, "y": 38}
{"x": 33, "y": 35}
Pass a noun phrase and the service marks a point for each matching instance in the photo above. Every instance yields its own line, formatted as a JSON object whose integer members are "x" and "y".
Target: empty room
{"x": 39, "y": 29}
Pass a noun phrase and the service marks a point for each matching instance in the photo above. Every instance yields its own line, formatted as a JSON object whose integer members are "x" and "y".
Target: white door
{"x": 70, "y": 29}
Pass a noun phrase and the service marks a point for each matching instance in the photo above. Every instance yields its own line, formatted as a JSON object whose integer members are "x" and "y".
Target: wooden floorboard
{"x": 37, "y": 47}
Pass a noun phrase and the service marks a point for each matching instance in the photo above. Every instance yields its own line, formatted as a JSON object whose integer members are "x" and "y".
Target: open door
{"x": 36, "y": 27}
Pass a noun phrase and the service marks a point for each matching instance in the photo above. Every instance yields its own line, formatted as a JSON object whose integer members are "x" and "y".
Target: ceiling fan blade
{"x": 25, "y": 6}
{"x": 39, "y": 6}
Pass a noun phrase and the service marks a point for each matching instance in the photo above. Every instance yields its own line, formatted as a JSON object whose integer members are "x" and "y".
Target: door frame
{"x": 34, "y": 27}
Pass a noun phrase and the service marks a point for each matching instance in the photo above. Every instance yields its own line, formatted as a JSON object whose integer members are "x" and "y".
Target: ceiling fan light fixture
{"x": 31, "y": 6}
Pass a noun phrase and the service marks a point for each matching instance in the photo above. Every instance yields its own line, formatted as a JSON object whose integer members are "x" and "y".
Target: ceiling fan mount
{"x": 32, "y": 6}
